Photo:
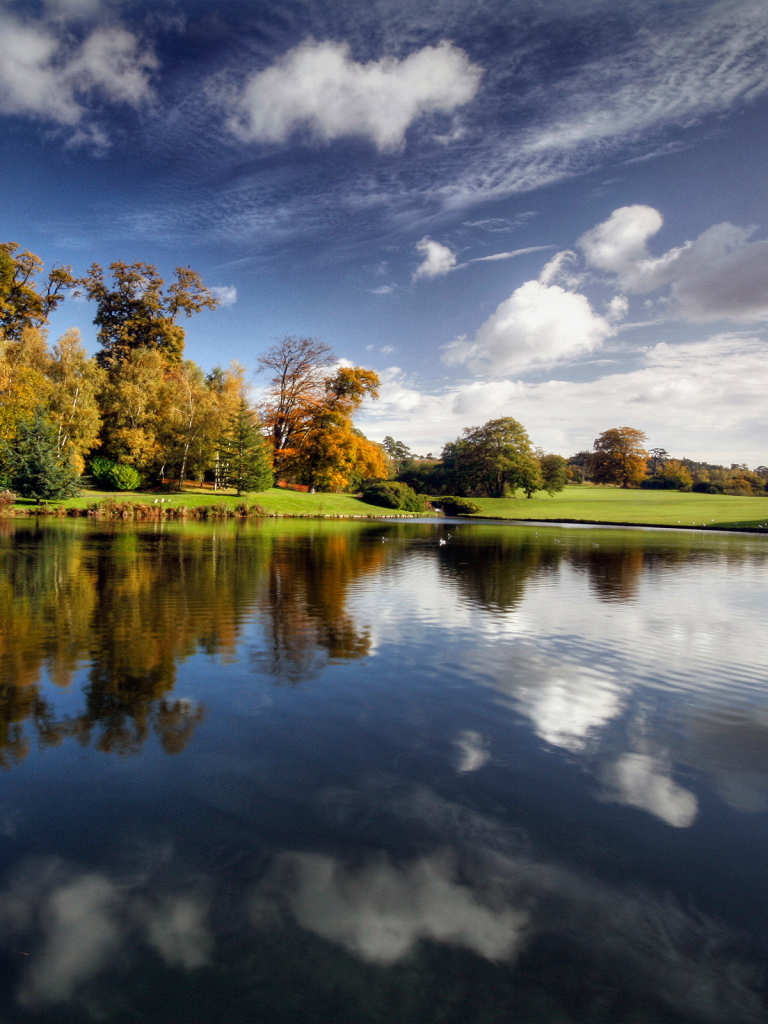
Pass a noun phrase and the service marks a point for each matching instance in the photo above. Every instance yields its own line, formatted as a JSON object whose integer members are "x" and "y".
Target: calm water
{"x": 309, "y": 771}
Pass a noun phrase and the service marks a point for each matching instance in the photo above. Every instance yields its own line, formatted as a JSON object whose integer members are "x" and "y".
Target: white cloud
{"x": 225, "y": 293}
{"x": 639, "y": 780}
{"x": 319, "y": 86}
{"x": 703, "y": 399}
{"x": 79, "y": 921}
{"x": 438, "y": 259}
{"x": 383, "y": 289}
{"x": 381, "y": 911}
{"x": 472, "y": 750}
{"x": 44, "y": 76}
{"x": 540, "y": 324}
{"x": 719, "y": 275}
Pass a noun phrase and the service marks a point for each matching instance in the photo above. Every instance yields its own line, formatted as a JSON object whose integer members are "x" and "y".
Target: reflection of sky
{"x": 573, "y": 664}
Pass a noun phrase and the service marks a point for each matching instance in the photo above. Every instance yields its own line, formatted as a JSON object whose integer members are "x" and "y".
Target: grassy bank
{"x": 578, "y": 504}
{"x": 652, "y": 508}
{"x": 274, "y": 502}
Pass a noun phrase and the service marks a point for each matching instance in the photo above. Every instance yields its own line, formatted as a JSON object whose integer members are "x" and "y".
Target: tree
{"x": 619, "y": 457}
{"x": 492, "y": 458}
{"x": 554, "y": 473}
{"x": 299, "y": 368}
{"x": 24, "y": 382}
{"x": 333, "y": 454}
{"x": 135, "y": 312}
{"x": 399, "y": 452}
{"x": 23, "y": 302}
{"x": 35, "y": 464}
{"x": 244, "y": 452}
{"x": 75, "y": 380}
{"x": 133, "y": 406}
{"x": 657, "y": 457}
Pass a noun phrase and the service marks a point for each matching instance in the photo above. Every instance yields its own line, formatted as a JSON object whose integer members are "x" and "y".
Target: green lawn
{"x": 274, "y": 500}
{"x": 581, "y": 504}
{"x": 615, "y": 505}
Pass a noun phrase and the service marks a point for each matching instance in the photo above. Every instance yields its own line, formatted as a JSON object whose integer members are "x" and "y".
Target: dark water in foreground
{"x": 382, "y": 772}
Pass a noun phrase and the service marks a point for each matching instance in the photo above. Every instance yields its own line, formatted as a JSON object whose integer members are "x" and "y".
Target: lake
{"x": 330, "y": 771}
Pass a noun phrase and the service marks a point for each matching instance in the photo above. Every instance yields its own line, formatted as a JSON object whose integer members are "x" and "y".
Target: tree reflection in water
{"x": 127, "y": 605}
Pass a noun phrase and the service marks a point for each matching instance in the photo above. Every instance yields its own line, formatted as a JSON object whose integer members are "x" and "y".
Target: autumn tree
{"x": 492, "y": 459}
{"x": 135, "y": 311}
{"x": 133, "y": 403}
{"x": 75, "y": 381}
{"x": 24, "y": 381}
{"x": 296, "y": 387}
{"x": 24, "y": 301}
{"x": 332, "y": 453}
{"x": 619, "y": 457}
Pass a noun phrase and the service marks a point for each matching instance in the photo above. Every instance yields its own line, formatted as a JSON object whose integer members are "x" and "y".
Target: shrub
{"x": 453, "y": 506}
{"x": 705, "y": 487}
{"x": 6, "y": 500}
{"x": 114, "y": 476}
{"x": 394, "y": 494}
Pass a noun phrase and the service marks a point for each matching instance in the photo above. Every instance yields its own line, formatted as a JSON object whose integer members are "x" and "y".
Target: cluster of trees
{"x": 620, "y": 457}
{"x": 145, "y": 411}
{"x": 493, "y": 460}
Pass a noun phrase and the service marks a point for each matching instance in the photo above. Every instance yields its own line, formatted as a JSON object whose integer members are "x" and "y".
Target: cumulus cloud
{"x": 45, "y": 76}
{"x": 318, "y": 85}
{"x": 77, "y": 921}
{"x": 225, "y": 293}
{"x": 640, "y": 780}
{"x": 438, "y": 259}
{"x": 381, "y": 911}
{"x": 540, "y": 324}
{"x": 719, "y": 275}
{"x": 704, "y": 399}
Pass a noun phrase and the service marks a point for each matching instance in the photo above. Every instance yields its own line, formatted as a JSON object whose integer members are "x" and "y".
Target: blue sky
{"x": 553, "y": 211}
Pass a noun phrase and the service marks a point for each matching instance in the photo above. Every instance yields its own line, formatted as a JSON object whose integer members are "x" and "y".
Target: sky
{"x": 551, "y": 211}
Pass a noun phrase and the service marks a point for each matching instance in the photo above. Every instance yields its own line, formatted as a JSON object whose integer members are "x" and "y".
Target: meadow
{"x": 586, "y": 503}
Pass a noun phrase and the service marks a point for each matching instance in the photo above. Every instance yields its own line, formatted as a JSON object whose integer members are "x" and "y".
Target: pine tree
{"x": 244, "y": 457}
{"x": 35, "y": 464}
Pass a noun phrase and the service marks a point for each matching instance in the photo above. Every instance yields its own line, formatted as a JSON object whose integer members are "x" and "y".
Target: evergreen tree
{"x": 35, "y": 464}
{"x": 243, "y": 452}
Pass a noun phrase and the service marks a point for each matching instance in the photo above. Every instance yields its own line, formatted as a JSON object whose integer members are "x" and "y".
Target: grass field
{"x": 275, "y": 501}
{"x": 580, "y": 504}
{"x": 651, "y": 508}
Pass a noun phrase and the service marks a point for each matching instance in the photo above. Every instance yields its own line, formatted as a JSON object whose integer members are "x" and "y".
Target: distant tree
{"x": 24, "y": 380}
{"x": 135, "y": 312}
{"x": 674, "y": 476}
{"x": 24, "y": 302}
{"x": 579, "y": 466}
{"x": 491, "y": 459}
{"x": 762, "y": 472}
{"x": 134, "y": 409}
{"x": 35, "y": 464}
{"x": 656, "y": 458}
{"x": 619, "y": 457}
{"x": 553, "y": 472}
{"x": 399, "y": 452}
{"x": 244, "y": 452}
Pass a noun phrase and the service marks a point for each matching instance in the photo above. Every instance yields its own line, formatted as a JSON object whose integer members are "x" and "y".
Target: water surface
{"x": 337, "y": 771}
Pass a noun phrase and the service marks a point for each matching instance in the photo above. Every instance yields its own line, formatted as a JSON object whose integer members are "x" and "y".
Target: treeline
{"x": 498, "y": 459}
{"x": 138, "y": 412}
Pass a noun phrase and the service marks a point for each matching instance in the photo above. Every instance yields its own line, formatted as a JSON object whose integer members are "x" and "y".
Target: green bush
{"x": 394, "y": 494}
{"x": 453, "y": 506}
{"x": 114, "y": 476}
